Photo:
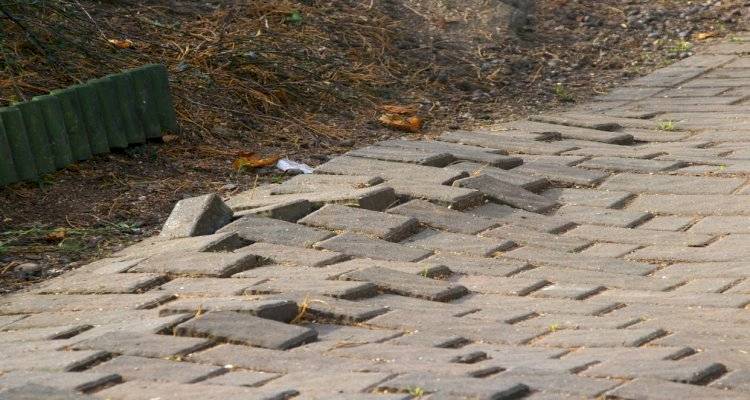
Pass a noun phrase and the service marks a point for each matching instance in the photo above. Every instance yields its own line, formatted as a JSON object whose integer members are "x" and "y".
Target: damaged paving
{"x": 600, "y": 252}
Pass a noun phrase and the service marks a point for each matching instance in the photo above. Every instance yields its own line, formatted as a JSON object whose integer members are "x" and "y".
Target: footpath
{"x": 601, "y": 252}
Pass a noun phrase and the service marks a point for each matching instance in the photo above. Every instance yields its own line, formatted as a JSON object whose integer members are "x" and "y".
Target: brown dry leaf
{"x": 169, "y": 138}
{"x": 392, "y": 109}
{"x": 253, "y": 160}
{"x": 57, "y": 235}
{"x": 395, "y": 121}
{"x": 704, "y": 35}
{"x": 121, "y": 43}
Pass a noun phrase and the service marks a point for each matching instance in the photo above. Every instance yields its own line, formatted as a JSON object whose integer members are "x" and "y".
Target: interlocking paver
{"x": 672, "y": 184}
{"x": 142, "y": 344}
{"x": 530, "y": 237}
{"x": 67, "y": 381}
{"x": 138, "y": 390}
{"x": 600, "y": 337}
{"x": 541, "y": 257}
{"x": 198, "y": 264}
{"x": 691, "y": 204}
{"x": 527, "y": 182}
{"x": 432, "y": 159}
{"x": 449, "y": 196}
{"x": 362, "y": 246}
{"x": 243, "y": 328}
{"x": 479, "y": 266}
{"x": 602, "y": 216}
{"x": 458, "y": 243}
{"x": 562, "y": 174}
{"x": 482, "y": 155}
{"x": 638, "y": 236}
{"x": 459, "y": 387}
{"x": 278, "y": 310}
{"x": 442, "y": 217}
{"x": 154, "y": 369}
{"x": 407, "y": 284}
{"x": 268, "y": 230}
{"x": 506, "y": 193}
{"x": 388, "y": 170}
{"x": 85, "y": 283}
{"x": 588, "y": 197}
{"x": 342, "y": 218}
{"x": 292, "y": 256}
{"x": 443, "y": 268}
{"x": 516, "y": 216}
{"x": 657, "y": 389}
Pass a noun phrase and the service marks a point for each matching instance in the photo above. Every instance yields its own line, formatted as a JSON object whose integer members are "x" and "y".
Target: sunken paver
{"x": 341, "y": 218}
{"x": 198, "y": 264}
{"x": 241, "y": 328}
{"x": 407, "y": 284}
{"x": 577, "y": 254}
{"x": 268, "y": 230}
{"x": 458, "y": 243}
{"x": 293, "y": 256}
{"x": 506, "y": 193}
{"x": 443, "y": 218}
{"x": 362, "y": 246}
{"x": 527, "y": 182}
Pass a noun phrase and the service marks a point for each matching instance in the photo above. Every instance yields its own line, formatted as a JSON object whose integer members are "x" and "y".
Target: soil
{"x": 300, "y": 79}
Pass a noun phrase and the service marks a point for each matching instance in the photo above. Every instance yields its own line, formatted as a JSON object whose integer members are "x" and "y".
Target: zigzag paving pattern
{"x": 585, "y": 254}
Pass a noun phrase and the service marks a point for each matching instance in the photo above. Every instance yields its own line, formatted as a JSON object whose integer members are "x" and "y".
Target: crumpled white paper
{"x": 286, "y": 164}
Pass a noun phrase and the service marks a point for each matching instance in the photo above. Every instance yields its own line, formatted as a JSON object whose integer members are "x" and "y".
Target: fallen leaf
{"x": 704, "y": 35}
{"x": 121, "y": 43}
{"x": 392, "y": 109}
{"x": 253, "y": 160}
{"x": 57, "y": 235}
{"x": 398, "y": 122}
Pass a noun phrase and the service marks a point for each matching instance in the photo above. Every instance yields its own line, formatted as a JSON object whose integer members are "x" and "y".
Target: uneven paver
{"x": 579, "y": 254}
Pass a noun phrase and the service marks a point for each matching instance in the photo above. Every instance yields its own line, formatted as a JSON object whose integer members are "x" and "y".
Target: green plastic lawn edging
{"x": 73, "y": 124}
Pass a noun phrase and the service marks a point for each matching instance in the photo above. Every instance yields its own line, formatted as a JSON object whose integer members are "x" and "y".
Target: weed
{"x": 736, "y": 39}
{"x": 554, "y": 327}
{"x": 681, "y": 46}
{"x": 668, "y": 126}
{"x": 416, "y": 392}
{"x": 562, "y": 93}
{"x": 277, "y": 179}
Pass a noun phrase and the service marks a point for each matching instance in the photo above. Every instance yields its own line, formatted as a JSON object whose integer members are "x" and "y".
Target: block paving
{"x": 582, "y": 254}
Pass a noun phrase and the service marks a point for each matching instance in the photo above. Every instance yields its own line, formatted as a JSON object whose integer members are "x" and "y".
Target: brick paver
{"x": 584, "y": 254}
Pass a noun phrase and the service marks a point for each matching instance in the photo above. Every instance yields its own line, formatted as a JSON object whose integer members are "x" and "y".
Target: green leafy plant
{"x": 416, "y": 392}
{"x": 295, "y": 17}
{"x": 666, "y": 125}
{"x": 562, "y": 93}
{"x": 681, "y": 46}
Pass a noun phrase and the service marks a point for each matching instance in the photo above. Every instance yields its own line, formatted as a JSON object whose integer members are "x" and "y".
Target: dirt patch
{"x": 303, "y": 79}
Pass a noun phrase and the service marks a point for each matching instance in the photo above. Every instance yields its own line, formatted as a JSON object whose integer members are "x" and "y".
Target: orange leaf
{"x": 121, "y": 43}
{"x": 253, "y": 160}
{"x": 704, "y": 35}
{"x": 399, "y": 109}
{"x": 394, "y": 121}
{"x": 57, "y": 235}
